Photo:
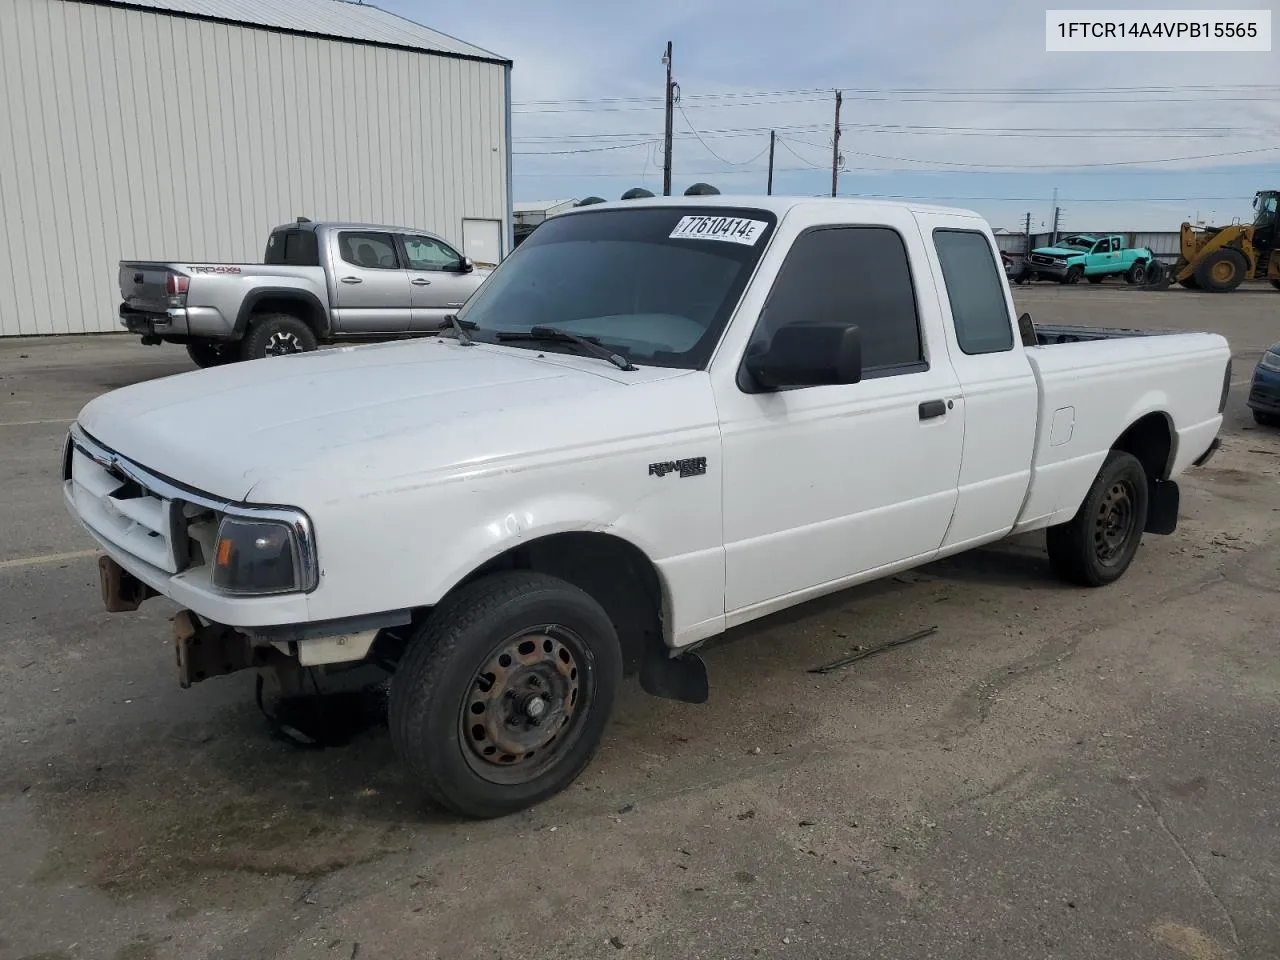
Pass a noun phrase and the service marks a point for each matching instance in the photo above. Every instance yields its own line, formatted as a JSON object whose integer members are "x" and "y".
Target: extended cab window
{"x": 424, "y": 253}
{"x": 1115, "y": 244}
{"x": 856, "y": 275}
{"x": 373, "y": 251}
{"x": 975, "y": 291}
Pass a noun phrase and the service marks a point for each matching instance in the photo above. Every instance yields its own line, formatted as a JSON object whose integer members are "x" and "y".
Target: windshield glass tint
{"x": 1075, "y": 242}
{"x": 656, "y": 284}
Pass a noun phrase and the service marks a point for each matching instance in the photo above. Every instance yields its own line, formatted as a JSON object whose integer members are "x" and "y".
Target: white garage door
{"x": 482, "y": 241}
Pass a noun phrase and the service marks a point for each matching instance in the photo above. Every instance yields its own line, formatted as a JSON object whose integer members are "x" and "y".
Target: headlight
{"x": 264, "y": 555}
{"x": 1270, "y": 361}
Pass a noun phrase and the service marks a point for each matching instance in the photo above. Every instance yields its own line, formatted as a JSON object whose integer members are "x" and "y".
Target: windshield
{"x": 654, "y": 284}
{"x": 1264, "y": 204}
{"x": 1085, "y": 242}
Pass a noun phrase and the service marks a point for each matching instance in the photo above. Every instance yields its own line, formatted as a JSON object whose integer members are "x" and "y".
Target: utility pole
{"x": 1057, "y": 212}
{"x": 835, "y": 149}
{"x": 773, "y": 136}
{"x": 666, "y": 149}
{"x": 1026, "y": 232}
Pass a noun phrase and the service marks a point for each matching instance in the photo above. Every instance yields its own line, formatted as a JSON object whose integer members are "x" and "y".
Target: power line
{"x": 941, "y": 91}
{"x": 804, "y": 160}
{"x": 561, "y": 153}
{"x": 732, "y": 163}
{"x": 1054, "y": 166}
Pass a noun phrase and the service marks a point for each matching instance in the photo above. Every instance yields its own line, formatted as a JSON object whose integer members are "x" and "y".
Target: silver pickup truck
{"x": 318, "y": 283}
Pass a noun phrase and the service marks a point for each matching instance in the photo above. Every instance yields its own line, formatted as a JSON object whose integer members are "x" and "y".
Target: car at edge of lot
{"x": 658, "y": 420}
{"x": 1264, "y": 388}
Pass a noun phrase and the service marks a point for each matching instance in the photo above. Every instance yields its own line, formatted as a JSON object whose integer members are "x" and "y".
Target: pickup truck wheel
{"x": 1266, "y": 419}
{"x": 1073, "y": 274}
{"x": 501, "y": 700}
{"x": 275, "y": 335}
{"x": 210, "y": 353}
{"x": 1096, "y": 546}
{"x": 1137, "y": 274}
{"x": 1221, "y": 271}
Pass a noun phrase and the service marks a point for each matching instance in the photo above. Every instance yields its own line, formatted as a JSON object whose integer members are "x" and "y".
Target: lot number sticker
{"x": 731, "y": 229}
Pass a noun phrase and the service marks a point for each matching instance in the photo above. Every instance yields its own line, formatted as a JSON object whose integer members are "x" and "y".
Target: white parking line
{"x": 32, "y": 423}
{"x": 47, "y": 558}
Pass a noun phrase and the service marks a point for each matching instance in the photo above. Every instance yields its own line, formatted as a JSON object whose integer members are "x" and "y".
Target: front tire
{"x": 276, "y": 335}
{"x": 1266, "y": 419}
{"x": 502, "y": 698}
{"x": 211, "y": 353}
{"x": 1221, "y": 271}
{"x": 1073, "y": 274}
{"x": 1096, "y": 546}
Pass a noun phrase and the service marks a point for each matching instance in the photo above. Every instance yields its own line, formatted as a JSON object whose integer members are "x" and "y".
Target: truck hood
{"x": 1059, "y": 252}
{"x": 225, "y": 430}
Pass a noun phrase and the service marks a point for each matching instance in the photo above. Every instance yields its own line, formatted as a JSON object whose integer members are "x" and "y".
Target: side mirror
{"x": 808, "y": 355}
{"x": 467, "y": 265}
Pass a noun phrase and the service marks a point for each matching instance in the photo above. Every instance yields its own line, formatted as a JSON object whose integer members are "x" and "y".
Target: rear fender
{"x": 312, "y": 311}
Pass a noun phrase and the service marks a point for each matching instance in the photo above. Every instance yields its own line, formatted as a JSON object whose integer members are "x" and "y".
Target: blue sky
{"x": 588, "y": 77}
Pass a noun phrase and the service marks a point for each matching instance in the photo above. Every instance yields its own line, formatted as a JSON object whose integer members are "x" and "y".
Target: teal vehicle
{"x": 1092, "y": 257}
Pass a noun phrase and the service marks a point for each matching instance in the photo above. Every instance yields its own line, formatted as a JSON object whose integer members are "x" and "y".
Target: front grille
{"x": 123, "y": 512}
{"x": 1041, "y": 258}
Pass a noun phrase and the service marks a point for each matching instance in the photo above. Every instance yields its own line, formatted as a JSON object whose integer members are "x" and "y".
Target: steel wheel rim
{"x": 1139, "y": 274}
{"x": 280, "y": 344}
{"x": 1223, "y": 271}
{"x": 525, "y": 706}
{"x": 1113, "y": 527}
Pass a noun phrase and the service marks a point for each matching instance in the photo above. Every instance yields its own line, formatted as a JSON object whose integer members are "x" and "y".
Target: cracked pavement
{"x": 1053, "y": 773}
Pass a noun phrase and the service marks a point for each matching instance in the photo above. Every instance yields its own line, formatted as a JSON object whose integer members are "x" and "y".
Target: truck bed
{"x": 1048, "y": 334}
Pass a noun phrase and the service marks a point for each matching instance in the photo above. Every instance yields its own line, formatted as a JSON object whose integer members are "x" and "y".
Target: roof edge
{"x": 494, "y": 59}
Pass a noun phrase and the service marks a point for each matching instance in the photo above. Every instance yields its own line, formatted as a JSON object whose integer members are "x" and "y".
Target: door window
{"x": 372, "y": 251}
{"x": 857, "y": 275}
{"x": 1115, "y": 244}
{"x": 975, "y": 291}
{"x": 425, "y": 253}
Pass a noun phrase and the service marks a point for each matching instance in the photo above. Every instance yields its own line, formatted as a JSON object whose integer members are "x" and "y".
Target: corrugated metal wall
{"x": 144, "y": 136}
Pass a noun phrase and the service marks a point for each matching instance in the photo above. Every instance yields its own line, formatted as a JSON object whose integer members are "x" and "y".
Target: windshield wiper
{"x": 590, "y": 344}
{"x": 460, "y": 327}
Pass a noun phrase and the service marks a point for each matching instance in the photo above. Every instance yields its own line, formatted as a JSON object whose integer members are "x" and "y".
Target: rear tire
{"x": 1221, "y": 271}
{"x": 463, "y": 700}
{"x": 1096, "y": 546}
{"x": 1137, "y": 274}
{"x": 275, "y": 335}
{"x": 211, "y": 353}
{"x": 1266, "y": 419}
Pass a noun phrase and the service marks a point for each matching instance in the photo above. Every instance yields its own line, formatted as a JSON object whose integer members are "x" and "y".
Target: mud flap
{"x": 682, "y": 678}
{"x": 1162, "y": 509}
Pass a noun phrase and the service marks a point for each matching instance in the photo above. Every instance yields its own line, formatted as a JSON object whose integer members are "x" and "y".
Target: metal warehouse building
{"x": 186, "y": 129}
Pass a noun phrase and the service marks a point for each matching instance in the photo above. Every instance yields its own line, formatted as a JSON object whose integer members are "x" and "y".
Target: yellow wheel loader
{"x": 1219, "y": 259}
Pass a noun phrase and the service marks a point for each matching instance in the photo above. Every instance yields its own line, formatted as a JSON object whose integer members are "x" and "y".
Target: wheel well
{"x": 300, "y": 307}
{"x": 614, "y": 572}
{"x": 1150, "y": 439}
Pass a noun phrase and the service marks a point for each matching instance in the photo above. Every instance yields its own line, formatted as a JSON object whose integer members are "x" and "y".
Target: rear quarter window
{"x": 975, "y": 291}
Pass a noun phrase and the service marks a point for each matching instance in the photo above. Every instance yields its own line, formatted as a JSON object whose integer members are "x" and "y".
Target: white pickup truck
{"x": 657, "y": 420}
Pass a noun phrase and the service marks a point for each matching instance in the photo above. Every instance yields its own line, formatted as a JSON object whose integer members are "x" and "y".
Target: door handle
{"x": 420, "y": 282}
{"x": 932, "y": 408}
{"x": 352, "y": 280}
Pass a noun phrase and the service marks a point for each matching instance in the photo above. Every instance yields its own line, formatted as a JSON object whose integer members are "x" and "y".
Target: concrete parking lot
{"x": 1053, "y": 773}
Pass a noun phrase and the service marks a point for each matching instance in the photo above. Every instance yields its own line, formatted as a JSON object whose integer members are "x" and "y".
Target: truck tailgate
{"x": 144, "y": 286}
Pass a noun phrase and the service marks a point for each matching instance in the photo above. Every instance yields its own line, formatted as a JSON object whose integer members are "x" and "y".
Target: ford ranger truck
{"x": 317, "y": 283}
{"x": 657, "y": 420}
{"x": 1090, "y": 258}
